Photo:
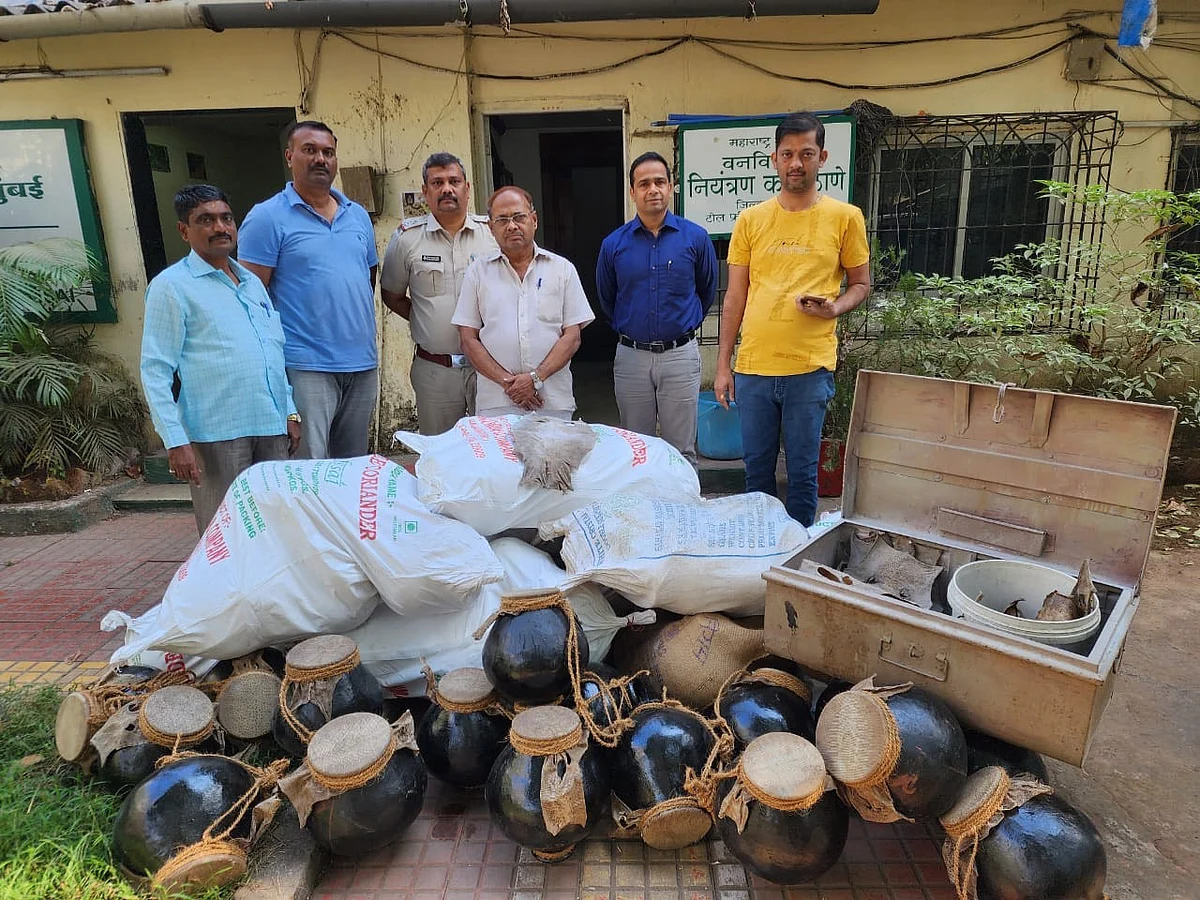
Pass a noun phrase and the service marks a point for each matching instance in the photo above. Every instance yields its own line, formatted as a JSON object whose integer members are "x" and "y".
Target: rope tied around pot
{"x": 736, "y": 805}
{"x": 963, "y": 837}
{"x": 105, "y": 699}
{"x": 546, "y": 746}
{"x": 216, "y": 837}
{"x": 176, "y": 741}
{"x": 302, "y": 676}
{"x": 780, "y": 679}
{"x": 489, "y": 704}
{"x": 530, "y": 601}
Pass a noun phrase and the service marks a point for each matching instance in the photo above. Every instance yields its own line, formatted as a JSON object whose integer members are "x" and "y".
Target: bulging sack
{"x": 395, "y": 647}
{"x": 474, "y": 472}
{"x": 691, "y": 657}
{"x": 308, "y": 547}
{"x": 690, "y": 556}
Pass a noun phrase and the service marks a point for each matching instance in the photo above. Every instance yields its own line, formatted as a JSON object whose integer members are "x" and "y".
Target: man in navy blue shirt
{"x": 657, "y": 278}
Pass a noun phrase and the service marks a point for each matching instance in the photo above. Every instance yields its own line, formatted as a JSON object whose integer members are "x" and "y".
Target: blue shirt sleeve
{"x": 162, "y": 345}
{"x": 258, "y": 238}
{"x": 706, "y": 270}
{"x": 606, "y": 277}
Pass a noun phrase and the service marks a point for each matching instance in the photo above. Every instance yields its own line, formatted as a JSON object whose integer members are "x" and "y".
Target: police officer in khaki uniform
{"x": 423, "y": 271}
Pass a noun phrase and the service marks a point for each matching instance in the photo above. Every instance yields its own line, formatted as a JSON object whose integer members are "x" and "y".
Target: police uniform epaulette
{"x": 479, "y": 218}
{"x": 413, "y": 222}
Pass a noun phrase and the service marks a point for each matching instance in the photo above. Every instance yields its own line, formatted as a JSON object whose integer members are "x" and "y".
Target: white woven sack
{"x": 395, "y": 648}
{"x": 309, "y": 547}
{"x": 700, "y": 556}
{"x": 472, "y": 473}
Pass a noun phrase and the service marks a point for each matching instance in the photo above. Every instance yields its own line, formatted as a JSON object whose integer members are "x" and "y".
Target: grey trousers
{"x": 660, "y": 392}
{"x": 223, "y": 461}
{"x": 444, "y": 395}
{"x": 335, "y": 411}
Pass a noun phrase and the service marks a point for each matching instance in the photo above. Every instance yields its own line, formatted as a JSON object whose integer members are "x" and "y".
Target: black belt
{"x": 658, "y": 346}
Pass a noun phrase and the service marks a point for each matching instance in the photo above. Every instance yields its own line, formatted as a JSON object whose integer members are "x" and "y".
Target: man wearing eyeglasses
{"x": 423, "y": 269}
{"x": 520, "y": 315}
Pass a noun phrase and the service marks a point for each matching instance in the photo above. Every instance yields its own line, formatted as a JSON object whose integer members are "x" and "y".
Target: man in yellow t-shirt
{"x": 787, "y": 260}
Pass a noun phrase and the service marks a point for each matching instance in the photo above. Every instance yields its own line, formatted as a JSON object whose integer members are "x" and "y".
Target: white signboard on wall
{"x": 725, "y": 167}
{"x": 45, "y": 193}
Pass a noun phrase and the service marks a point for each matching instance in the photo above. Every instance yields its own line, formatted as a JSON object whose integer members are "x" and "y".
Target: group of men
{"x": 274, "y": 354}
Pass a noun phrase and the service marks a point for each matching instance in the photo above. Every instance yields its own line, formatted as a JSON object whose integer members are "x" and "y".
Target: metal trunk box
{"x": 983, "y": 472}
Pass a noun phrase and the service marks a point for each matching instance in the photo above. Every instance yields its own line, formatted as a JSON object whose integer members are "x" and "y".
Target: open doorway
{"x": 238, "y": 150}
{"x": 573, "y": 163}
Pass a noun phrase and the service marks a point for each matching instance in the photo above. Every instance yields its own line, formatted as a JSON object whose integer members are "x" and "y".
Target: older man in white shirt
{"x": 519, "y": 315}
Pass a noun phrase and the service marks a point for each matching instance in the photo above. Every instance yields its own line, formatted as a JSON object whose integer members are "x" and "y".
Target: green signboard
{"x": 45, "y": 192}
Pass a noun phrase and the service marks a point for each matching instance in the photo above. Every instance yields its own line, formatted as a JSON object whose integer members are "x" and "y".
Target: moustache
{"x": 218, "y": 237}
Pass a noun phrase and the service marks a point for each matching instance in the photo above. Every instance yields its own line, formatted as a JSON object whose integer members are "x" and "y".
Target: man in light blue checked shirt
{"x": 210, "y": 321}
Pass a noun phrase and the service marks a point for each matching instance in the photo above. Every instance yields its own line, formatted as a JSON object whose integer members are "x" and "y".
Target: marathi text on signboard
{"x": 725, "y": 167}
{"x": 45, "y": 193}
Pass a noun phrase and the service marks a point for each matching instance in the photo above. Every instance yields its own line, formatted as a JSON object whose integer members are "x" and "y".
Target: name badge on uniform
{"x": 429, "y": 258}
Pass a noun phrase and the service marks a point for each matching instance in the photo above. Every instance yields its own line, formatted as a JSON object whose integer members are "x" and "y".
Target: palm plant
{"x": 63, "y": 402}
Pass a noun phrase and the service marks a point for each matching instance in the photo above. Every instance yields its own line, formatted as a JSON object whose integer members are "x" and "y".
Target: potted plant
{"x": 66, "y": 408}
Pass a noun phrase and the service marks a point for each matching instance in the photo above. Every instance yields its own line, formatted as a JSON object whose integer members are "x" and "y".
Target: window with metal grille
{"x": 945, "y": 195}
{"x": 1183, "y": 179}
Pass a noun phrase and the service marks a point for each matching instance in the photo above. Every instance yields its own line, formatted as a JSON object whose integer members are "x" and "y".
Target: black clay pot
{"x": 513, "y": 794}
{"x": 983, "y": 750}
{"x": 754, "y": 708}
{"x": 461, "y": 748}
{"x": 130, "y": 765}
{"x": 650, "y": 763}
{"x": 787, "y": 848}
{"x": 932, "y": 768}
{"x": 171, "y": 808}
{"x": 1045, "y": 850}
{"x": 525, "y": 656}
{"x": 375, "y": 814}
{"x": 356, "y": 691}
{"x": 627, "y": 698}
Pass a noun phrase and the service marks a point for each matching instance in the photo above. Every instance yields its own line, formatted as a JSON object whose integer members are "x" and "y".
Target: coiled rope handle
{"x": 216, "y": 837}
{"x": 293, "y": 675}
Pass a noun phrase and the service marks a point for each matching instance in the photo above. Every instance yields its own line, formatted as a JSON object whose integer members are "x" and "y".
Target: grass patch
{"x": 55, "y": 822}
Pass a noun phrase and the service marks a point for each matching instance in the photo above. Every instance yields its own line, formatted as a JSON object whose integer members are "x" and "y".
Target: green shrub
{"x": 63, "y": 401}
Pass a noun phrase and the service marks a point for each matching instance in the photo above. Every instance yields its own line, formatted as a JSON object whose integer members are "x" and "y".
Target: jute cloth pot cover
{"x": 360, "y": 784}
{"x": 896, "y": 752}
{"x": 778, "y": 812}
{"x": 1010, "y": 838}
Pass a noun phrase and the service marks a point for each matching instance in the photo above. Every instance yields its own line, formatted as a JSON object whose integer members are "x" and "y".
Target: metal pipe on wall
{"x": 221, "y": 14}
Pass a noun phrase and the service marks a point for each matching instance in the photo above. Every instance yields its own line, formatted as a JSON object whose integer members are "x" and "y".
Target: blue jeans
{"x": 795, "y": 405}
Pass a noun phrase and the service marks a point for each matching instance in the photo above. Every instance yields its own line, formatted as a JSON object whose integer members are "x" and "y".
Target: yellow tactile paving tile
{"x": 64, "y": 673}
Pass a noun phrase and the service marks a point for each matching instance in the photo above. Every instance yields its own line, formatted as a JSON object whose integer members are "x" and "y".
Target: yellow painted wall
{"x": 247, "y": 169}
{"x": 390, "y": 113}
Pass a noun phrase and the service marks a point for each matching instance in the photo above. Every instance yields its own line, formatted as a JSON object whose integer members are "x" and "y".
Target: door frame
{"x": 481, "y": 135}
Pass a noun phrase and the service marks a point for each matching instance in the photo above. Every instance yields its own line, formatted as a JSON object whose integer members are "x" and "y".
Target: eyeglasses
{"x": 515, "y": 218}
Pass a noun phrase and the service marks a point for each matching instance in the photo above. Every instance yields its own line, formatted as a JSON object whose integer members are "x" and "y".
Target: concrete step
{"x": 151, "y": 497}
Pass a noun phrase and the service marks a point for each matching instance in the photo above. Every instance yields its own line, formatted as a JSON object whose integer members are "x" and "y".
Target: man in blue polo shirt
{"x": 657, "y": 279}
{"x": 314, "y": 249}
{"x": 210, "y": 321}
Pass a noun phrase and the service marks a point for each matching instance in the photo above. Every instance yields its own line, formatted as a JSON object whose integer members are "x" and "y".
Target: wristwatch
{"x": 295, "y": 417}
{"x": 538, "y": 384}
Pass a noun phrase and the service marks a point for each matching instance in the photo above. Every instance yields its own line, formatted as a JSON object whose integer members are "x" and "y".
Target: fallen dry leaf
{"x": 32, "y": 760}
